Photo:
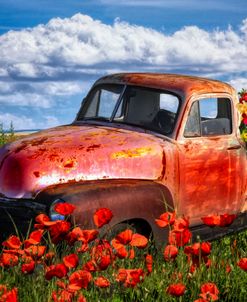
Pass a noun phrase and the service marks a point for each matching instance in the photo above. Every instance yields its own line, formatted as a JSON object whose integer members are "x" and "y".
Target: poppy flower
{"x": 13, "y": 242}
{"x": 34, "y": 238}
{"x": 102, "y": 282}
{"x": 57, "y": 270}
{"x": 62, "y": 296}
{"x": 180, "y": 224}
{"x": 131, "y": 254}
{"x": 198, "y": 248}
{"x": 83, "y": 248}
{"x": 149, "y": 263}
{"x": 170, "y": 252}
{"x": 59, "y": 230}
{"x": 179, "y": 238}
{"x": 71, "y": 261}
{"x": 8, "y": 260}
{"x": 130, "y": 277}
{"x": 165, "y": 219}
{"x": 139, "y": 241}
{"x": 74, "y": 235}
{"x": 28, "y": 268}
{"x": 227, "y": 219}
{"x": 79, "y": 279}
{"x": 209, "y": 291}
{"x": 219, "y": 220}
{"x": 176, "y": 289}
{"x": 90, "y": 266}
{"x": 48, "y": 257}
{"x": 10, "y": 296}
{"x": 102, "y": 254}
{"x": 43, "y": 221}
{"x": 64, "y": 208}
{"x": 102, "y": 216}
{"x": 89, "y": 235}
{"x": 242, "y": 263}
{"x": 35, "y": 251}
{"x": 124, "y": 237}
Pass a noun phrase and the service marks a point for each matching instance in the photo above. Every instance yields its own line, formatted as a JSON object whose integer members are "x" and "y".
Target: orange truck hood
{"x": 77, "y": 154}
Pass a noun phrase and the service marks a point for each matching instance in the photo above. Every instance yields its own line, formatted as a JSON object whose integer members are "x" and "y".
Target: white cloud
{"x": 25, "y": 99}
{"x": 63, "y": 56}
{"x": 22, "y": 122}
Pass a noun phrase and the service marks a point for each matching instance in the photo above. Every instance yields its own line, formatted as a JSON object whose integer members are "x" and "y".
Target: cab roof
{"x": 176, "y": 83}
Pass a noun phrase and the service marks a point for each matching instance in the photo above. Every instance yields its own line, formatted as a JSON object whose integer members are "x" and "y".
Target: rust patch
{"x": 69, "y": 164}
{"x": 93, "y": 147}
{"x": 163, "y": 171}
{"x": 129, "y": 153}
{"x": 36, "y": 173}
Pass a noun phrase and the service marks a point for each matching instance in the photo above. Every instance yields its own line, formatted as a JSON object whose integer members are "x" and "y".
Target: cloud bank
{"x": 43, "y": 65}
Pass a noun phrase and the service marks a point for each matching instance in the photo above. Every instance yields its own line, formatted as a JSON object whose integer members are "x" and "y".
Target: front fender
{"x": 127, "y": 199}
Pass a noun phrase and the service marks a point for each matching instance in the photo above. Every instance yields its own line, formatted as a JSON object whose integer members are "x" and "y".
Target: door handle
{"x": 234, "y": 147}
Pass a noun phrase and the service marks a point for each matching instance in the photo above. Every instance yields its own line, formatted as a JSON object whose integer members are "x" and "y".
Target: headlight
{"x": 53, "y": 214}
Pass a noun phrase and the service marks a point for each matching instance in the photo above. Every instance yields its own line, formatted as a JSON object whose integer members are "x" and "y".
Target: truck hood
{"x": 76, "y": 154}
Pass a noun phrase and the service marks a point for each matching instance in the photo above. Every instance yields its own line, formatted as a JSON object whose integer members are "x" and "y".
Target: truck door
{"x": 210, "y": 166}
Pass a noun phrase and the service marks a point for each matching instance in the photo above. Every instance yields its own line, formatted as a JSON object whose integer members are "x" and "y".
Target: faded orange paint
{"x": 203, "y": 175}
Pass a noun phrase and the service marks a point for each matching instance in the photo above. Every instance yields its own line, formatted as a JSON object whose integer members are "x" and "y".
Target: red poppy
{"x": 196, "y": 249}
{"x": 43, "y": 221}
{"x": 62, "y": 296}
{"x": 121, "y": 252}
{"x": 209, "y": 291}
{"x": 130, "y": 277}
{"x": 131, "y": 254}
{"x": 49, "y": 257}
{"x": 124, "y": 237}
{"x": 201, "y": 300}
{"x": 28, "y": 268}
{"x": 102, "y": 282}
{"x": 176, "y": 290}
{"x": 170, "y": 252}
{"x": 35, "y": 251}
{"x": 149, "y": 263}
{"x": 180, "y": 224}
{"x": 83, "y": 248}
{"x": 10, "y": 296}
{"x": 71, "y": 261}
{"x": 57, "y": 270}
{"x": 59, "y": 230}
{"x": 242, "y": 263}
{"x": 102, "y": 254}
{"x": 90, "y": 266}
{"x": 165, "y": 219}
{"x": 13, "y": 242}
{"x": 89, "y": 235}
{"x": 227, "y": 219}
{"x": 64, "y": 208}
{"x": 8, "y": 260}
{"x": 219, "y": 220}
{"x": 34, "y": 238}
{"x": 139, "y": 241}
{"x": 179, "y": 238}
{"x": 102, "y": 216}
{"x": 79, "y": 279}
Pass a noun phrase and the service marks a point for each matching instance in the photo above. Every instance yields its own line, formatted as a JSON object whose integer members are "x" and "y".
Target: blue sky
{"x": 51, "y": 51}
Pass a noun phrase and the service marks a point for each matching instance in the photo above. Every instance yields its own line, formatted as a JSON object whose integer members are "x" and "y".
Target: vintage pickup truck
{"x": 140, "y": 144}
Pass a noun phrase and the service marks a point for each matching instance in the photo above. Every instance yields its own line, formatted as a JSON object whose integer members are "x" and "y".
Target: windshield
{"x": 151, "y": 109}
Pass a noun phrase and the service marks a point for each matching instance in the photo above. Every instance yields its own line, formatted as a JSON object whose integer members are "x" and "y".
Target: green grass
{"x": 232, "y": 286}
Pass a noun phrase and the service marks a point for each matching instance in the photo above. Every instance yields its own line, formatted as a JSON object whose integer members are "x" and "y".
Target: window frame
{"x": 195, "y": 99}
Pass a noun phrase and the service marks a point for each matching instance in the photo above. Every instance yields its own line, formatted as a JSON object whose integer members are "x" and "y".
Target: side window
{"x": 210, "y": 116}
